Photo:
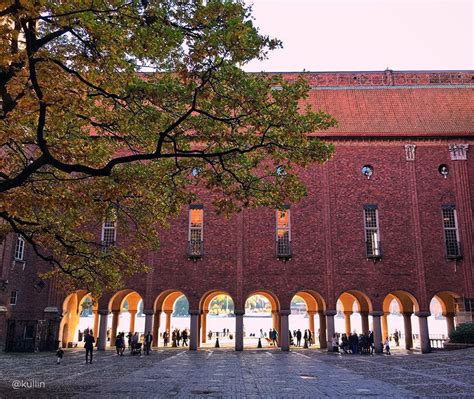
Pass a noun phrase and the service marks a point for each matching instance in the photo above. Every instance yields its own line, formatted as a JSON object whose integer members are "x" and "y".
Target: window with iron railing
{"x": 20, "y": 248}
{"x": 109, "y": 234}
{"x": 451, "y": 233}
{"x": 283, "y": 234}
{"x": 196, "y": 232}
{"x": 372, "y": 234}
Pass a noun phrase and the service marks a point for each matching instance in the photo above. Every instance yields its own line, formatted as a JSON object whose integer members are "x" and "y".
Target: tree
{"x": 108, "y": 105}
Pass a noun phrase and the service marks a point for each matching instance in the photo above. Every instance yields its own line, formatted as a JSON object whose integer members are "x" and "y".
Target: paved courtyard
{"x": 225, "y": 373}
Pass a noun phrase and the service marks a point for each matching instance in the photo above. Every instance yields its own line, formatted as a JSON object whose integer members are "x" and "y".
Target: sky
{"x": 366, "y": 35}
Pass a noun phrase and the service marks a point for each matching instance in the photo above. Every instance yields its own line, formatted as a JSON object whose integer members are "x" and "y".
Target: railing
{"x": 104, "y": 245}
{"x": 195, "y": 249}
{"x": 453, "y": 250}
{"x": 283, "y": 249}
{"x": 437, "y": 343}
{"x": 373, "y": 252}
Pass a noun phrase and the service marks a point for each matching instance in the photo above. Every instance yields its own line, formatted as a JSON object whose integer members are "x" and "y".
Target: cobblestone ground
{"x": 224, "y": 373}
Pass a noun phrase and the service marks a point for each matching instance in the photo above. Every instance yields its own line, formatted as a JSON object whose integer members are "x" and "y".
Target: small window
{"x": 372, "y": 234}
{"x": 196, "y": 231}
{"x": 451, "y": 233}
{"x": 13, "y": 297}
{"x": 367, "y": 171}
{"x": 20, "y": 248}
{"x": 283, "y": 234}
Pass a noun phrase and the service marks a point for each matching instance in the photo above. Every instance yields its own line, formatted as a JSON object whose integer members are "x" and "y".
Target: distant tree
{"x": 108, "y": 105}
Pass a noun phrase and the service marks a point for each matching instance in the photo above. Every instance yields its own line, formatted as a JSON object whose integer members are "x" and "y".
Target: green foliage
{"x": 463, "y": 334}
{"x": 110, "y": 104}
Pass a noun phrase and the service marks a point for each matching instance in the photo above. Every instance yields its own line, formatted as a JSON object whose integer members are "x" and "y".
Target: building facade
{"x": 389, "y": 217}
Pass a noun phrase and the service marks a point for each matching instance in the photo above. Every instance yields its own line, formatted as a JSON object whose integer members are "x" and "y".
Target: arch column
{"x": 384, "y": 326}
{"x": 148, "y": 321}
{"x": 329, "y": 328}
{"x": 204, "y": 325}
{"x": 103, "y": 314}
{"x": 96, "y": 324}
{"x": 323, "y": 343}
{"x": 424, "y": 331}
{"x": 239, "y": 329}
{"x": 133, "y": 313}
{"x": 168, "y": 320}
{"x": 364, "y": 316}
{"x": 194, "y": 326}
{"x": 377, "y": 329}
{"x": 311, "y": 314}
{"x": 284, "y": 329}
{"x": 156, "y": 327}
{"x": 449, "y": 321}
{"x": 408, "y": 330}
{"x": 115, "y": 321}
{"x": 347, "y": 322}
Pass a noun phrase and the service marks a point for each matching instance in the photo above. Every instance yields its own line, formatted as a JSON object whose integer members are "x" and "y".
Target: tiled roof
{"x": 397, "y": 111}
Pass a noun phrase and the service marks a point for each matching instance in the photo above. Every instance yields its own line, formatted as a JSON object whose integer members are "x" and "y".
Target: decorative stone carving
{"x": 410, "y": 152}
{"x": 458, "y": 151}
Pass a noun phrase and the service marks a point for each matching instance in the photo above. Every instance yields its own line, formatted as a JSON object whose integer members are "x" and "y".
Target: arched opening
{"x": 307, "y": 321}
{"x": 399, "y": 320}
{"x": 126, "y": 317}
{"x": 172, "y": 320}
{"x": 352, "y": 316}
{"x": 217, "y": 320}
{"x": 443, "y": 309}
{"x": 261, "y": 320}
{"x": 78, "y": 317}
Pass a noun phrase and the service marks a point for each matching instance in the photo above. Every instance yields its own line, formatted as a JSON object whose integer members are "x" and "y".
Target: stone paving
{"x": 224, "y": 373}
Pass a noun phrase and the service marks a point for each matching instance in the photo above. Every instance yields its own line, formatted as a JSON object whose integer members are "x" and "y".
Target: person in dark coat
{"x": 89, "y": 346}
{"x": 148, "y": 341}
{"x": 118, "y": 344}
{"x": 298, "y": 337}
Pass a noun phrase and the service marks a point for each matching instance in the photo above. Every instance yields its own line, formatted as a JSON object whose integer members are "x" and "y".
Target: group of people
{"x": 297, "y": 335}
{"x": 135, "y": 343}
{"x": 360, "y": 344}
{"x": 177, "y": 336}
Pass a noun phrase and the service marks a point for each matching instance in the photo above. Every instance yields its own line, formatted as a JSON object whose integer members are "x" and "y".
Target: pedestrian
{"x": 334, "y": 343}
{"x": 178, "y": 337}
{"x": 184, "y": 336}
{"x": 371, "y": 342}
{"x": 310, "y": 337}
{"x": 165, "y": 338}
{"x": 290, "y": 336}
{"x": 89, "y": 346}
{"x": 344, "y": 343}
{"x": 274, "y": 337}
{"x": 148, "y": 342}
{"x": 387, "y": 346}
{"x": 118, "y": 344}
{"x": 209, "y": 335}
{"x": 129, "y": 339}
{"x": 396, "y": 337}
{"x": 305, "y": 337}
{"x": 59, "y": 355}
{"x": 298, "y": 337}
{"x": 134, "y": 341}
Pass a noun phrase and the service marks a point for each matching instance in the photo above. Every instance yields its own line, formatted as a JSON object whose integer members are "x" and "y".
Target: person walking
{"x": 178, "y": 337}
{"x": 118, "y": 344}
{"x": 298, "y": 337}
{"x": 165, "y": 338}
{"x": 89, "y": 346}
{"x": 387, "y": 346}
{"x": 184, "y": 336}
{"x": 371, "y": 342}
{"x": 59, "y": 355}
{"x": 274, "y": 337}
{"x": 396, "y": 337}
{"x": 334, "y": 343}
{"x": 148, "y": 341}
{"x": 310, "y": 337}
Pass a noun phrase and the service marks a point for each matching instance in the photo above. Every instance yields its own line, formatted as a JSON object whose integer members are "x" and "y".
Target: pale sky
{"x": 365, "y": 35}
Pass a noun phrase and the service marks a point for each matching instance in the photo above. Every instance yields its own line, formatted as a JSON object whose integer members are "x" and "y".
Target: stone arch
{"x": 204, "y": 304}
{"x": 408, "y": 305}
{"x": 315, "y": 304}
{"x": 71, "y": 313}
{"x": 272, "y": 298}
{"x": 116, "y": 305}
{"x": 447, "y": 300}
{"x": 348, "y": 299}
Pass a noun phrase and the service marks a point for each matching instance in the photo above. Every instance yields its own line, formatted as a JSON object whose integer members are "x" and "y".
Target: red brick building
{"x": 389, "y": 217}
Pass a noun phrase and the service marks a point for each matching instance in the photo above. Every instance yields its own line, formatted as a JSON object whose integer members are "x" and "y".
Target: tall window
{"x": 451, "y": 234}
{"x": 195, "y": 234}
{"x": 283, "y": 233}
{"x": 372, "y": 234}
{"x": 20, "y": 248}
{"x": 109, "y": 232}
{"x": 13, "y": 297}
